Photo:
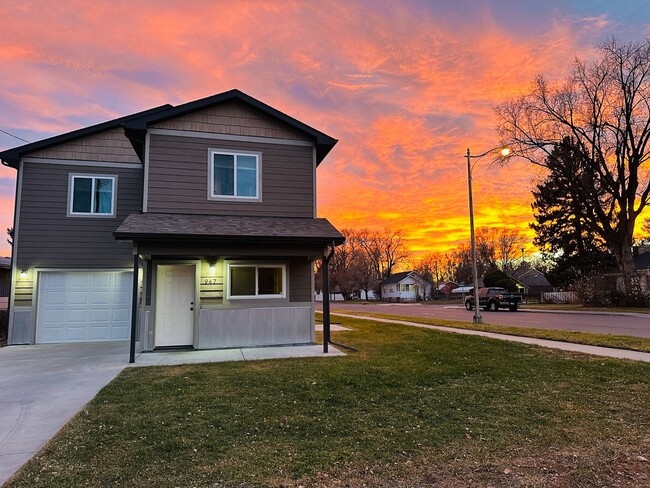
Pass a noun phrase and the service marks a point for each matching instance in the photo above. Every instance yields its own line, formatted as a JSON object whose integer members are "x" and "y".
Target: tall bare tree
{"x": 385, "y": 250}
{"x": 509, "y": 242}
{"x": 603, "y": 106}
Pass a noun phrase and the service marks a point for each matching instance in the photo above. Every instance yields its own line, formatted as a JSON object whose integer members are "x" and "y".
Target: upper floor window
{"x": 92, "y": 195}
{"x": 234, "y": 175}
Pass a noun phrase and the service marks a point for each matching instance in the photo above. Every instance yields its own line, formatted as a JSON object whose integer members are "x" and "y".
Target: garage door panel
{"x": 122, "y": 298}
{"x": 84, "y": 306}
{"x": 77, "y": 297}
{"x": 76, "y": 316}
{"x": 120, "y": 333}
{"x": 77, "y": 279}
{"x": 101, "y": 297}
{"x": 52, "y": 297}
{"x": 101, "y": 280}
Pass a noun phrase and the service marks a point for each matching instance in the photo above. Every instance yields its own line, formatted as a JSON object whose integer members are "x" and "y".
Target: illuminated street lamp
{"x": 503, "y": 152}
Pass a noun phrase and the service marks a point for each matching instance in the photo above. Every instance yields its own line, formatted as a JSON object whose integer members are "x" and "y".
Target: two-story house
{"x": 187, "y": 226}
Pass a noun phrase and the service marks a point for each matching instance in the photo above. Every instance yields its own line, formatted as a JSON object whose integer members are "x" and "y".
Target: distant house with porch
{"x": 407, "y": 286}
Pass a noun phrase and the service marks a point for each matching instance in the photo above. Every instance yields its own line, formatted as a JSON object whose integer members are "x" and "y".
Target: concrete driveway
{"x": 42, "y": 387}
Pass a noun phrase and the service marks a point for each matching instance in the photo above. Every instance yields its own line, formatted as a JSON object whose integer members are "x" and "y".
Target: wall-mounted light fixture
{"x": 212, "y": 269}
{"x": 23, "y": 273}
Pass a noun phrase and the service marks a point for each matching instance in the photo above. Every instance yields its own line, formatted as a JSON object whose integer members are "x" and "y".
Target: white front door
{"x": 174, "y": 318}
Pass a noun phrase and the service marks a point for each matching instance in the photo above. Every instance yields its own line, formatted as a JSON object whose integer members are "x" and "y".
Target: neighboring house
{"x": 445, "y": 289}
{"x": 407, "y": 286}
{"x": 212, "y": 203}
{"x": 5, "y": 282}
{"x": 532, "y": 280}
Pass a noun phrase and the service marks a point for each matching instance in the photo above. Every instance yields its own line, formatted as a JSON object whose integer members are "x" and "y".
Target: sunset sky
{"x": 405, "y": 86}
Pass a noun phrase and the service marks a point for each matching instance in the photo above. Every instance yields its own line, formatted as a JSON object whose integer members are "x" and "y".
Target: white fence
{"x": 561, "y": 297}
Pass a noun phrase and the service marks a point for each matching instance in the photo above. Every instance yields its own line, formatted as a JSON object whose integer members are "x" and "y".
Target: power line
{"x": 12, "y": 135}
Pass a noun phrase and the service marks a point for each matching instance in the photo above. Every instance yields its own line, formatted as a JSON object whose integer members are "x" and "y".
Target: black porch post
{"x": 134, "y": 305}
{"x": 324, "y": 269}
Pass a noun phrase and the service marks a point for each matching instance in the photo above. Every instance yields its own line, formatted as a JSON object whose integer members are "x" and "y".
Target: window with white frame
{"x": 234, "y": 175}
{"x": 92, "y": 195}
{"x": 257, "y": 281}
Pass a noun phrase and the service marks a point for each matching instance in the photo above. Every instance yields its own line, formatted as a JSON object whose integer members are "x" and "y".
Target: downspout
{"x": 134, "y": 304}
{"x": 326, "y": 296}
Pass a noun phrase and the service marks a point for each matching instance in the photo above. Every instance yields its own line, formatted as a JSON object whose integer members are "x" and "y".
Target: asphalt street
{"x": 633, "y": 324}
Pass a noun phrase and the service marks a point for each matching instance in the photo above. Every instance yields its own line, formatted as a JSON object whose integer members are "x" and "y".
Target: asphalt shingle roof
{"x": 396, "y": 278}
{"x": 139, "y": 226}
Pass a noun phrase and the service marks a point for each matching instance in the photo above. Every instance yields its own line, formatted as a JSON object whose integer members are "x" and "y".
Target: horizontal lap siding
{"x": 300, "y": 280}
{"x": 48, "y": 238}
{"x": 178, "y": 178}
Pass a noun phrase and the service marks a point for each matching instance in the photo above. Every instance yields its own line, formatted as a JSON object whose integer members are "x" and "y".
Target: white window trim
{"x": 258, "y": 172}
{"x": 230, "y": 296}
{"x": 71, "y": 213}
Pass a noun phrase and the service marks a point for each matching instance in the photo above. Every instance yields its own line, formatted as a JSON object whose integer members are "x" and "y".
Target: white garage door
{"x": 84, "y": 307}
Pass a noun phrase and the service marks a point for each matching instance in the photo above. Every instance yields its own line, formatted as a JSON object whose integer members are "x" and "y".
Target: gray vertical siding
{"x": 178, "y": 178}
{"x": 108, "y": 146}
{"x": 48, "y": 238}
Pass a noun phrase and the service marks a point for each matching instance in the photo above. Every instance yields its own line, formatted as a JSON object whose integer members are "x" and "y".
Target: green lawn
{"x": 412, "y": 407}
{"x": 607, "y": 340}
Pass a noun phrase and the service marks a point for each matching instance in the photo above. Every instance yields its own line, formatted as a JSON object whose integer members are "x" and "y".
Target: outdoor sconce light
{"x": 23, "y": 273}
{"x": 212, "y": 268}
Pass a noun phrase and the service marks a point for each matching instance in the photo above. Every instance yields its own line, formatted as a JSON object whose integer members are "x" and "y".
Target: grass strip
{"x": 631, "y": 343}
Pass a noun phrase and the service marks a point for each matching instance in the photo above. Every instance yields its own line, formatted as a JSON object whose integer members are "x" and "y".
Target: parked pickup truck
{"x": 493, "y": 299}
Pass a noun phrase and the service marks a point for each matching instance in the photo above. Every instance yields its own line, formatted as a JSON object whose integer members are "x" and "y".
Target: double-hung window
{"x": 92, "y": 195}
{"x": 234, "y": 175}
{"x": 257, "y": 281}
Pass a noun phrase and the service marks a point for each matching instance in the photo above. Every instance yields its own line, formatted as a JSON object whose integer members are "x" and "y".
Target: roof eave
{"x": 142, "y": 237}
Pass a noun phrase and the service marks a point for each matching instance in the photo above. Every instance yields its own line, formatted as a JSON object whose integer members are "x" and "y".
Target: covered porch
{"x": 217, "y": 282}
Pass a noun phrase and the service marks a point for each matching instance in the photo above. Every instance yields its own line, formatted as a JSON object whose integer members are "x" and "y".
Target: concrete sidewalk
{"x": 565, "y": 346}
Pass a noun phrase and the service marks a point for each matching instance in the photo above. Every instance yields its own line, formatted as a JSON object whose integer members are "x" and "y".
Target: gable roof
{"x": 11, "y": 157}
{"x": 135, "y": 126}
{"x": 530, "y": 276}
{"x": 399, "y": 277}
{"x": 324, "y": 143}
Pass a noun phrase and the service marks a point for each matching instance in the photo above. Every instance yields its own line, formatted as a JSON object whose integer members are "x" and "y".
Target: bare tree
{"x": 344, "y": 266}
{"x": 604, "y": 108}
{"x": 508, "y": 245}
{"x": 384, "y": 250}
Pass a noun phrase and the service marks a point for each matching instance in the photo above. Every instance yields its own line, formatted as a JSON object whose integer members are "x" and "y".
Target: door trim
{"x": 154, "y": 292}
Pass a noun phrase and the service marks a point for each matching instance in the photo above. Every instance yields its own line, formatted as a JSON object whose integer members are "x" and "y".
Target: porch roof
{"x": 226, "y": 228}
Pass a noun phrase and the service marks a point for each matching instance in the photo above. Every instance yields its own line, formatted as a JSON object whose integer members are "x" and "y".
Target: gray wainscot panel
{"x": 264, "y": 326}
{"x": 22, "y": 330}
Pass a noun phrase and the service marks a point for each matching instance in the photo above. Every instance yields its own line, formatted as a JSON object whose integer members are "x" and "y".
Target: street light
{"x": 503, "y": 152}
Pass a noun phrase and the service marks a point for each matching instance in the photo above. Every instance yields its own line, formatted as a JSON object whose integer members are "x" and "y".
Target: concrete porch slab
{"x": 172, "y": 358}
